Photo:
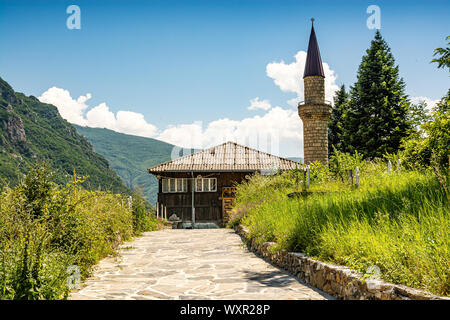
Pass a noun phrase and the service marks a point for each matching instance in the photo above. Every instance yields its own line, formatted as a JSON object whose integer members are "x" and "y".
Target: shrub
{"x": 341, "y": 162}
{"x": 431, "y": 144}
{"x": 143, "y": 218}
{"x": 45, "y": 228}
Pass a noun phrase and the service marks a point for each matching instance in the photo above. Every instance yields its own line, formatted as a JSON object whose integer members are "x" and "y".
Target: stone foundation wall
{"x": 338, "y": 281}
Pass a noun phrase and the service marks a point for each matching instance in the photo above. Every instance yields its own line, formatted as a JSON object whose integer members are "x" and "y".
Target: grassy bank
{"x": 45, "y": 229}
{"x": 398, "y": 222}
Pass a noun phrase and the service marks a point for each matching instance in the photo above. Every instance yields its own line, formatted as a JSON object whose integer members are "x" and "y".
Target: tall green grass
{"x": 398, "y": 222}
{"x": 46, "y": 228}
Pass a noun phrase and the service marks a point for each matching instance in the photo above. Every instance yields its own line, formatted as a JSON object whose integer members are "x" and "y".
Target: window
{"x": 212, "y": 184}
{"x": 198, "y": 185}
{"x": 205, "y": 184}
{"x": 174, "y": 185}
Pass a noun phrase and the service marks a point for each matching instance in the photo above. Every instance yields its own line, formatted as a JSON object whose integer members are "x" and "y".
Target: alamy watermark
{"x": 374, "y": 20}
{"x": 74, "y": 278}
{"x": 74, "y": 20}
{"x": 374, "y": 272}
{"x": 267, "y": 142}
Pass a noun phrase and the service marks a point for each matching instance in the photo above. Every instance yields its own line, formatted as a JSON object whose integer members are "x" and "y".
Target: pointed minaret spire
{"x": 313, "y": 65}
{"x": 314, "y": 110}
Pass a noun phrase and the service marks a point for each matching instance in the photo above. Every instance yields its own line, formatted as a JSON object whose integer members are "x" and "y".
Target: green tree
{"x": 417, "y": 116}
{"x": 376, "y": 119}
{"x": 431, "y": 145}
{"x": 443, "y": 55}
{"x": 335, "y": 125}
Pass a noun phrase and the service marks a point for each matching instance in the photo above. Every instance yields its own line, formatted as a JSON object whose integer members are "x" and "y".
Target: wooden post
{"x": 307, "y": 177}
{"x": 165, "y": 212}
{"x": 357, "y": 177}
{"x": 130, "y": 202}
{"x": 304, "y": 180}
{"x": 193, "y": 206}
{"x": 157, "y": 209}
{"x": 389, "y": 167}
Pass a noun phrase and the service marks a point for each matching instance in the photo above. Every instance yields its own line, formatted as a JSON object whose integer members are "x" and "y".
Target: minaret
{"x": 314, "y": 112}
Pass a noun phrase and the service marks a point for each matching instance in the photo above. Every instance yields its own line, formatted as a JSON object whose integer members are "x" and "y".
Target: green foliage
{"x": 143, "y": 218}
{"x": 376, "y": 117}
{"x": 417, "y": 116}
{"x": 443, "y": 55}
{"x": 51, "y": 139}
{"x": 335, "y": 123}
{"x": 319, "y": 172}
{"x": 340, "y": 163}
{"x": 398, "y": 222}
{"x": 45, "y": 228}
{"x": 431, "y": 145}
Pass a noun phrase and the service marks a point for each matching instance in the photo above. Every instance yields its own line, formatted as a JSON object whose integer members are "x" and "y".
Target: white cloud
{"x": 277, "y": 130}
{"x": 430, "y": 102}
{"x": 289, "y": 77}
{"x": 184, "y": 135}
{"x": 134, "y": 123}
{"x": 70, "y": 109}
{"x": 259, "y": 104}
{"x": 74, "y": 111}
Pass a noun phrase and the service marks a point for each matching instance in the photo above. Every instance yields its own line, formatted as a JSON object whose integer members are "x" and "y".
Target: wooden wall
{"x": 208, "y": 206}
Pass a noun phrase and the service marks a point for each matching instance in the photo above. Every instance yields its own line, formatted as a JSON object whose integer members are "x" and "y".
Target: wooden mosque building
{"x": 199, "y": 188}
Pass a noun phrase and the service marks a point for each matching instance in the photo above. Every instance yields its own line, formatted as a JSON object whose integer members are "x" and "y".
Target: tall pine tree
{"x": 335, "y": 123}
{"x": 376, "y": 119}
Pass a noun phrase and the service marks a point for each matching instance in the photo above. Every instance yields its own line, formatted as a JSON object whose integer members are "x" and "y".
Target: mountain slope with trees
{"x": 131, "y": 156}
{"x": 32, "y": 132}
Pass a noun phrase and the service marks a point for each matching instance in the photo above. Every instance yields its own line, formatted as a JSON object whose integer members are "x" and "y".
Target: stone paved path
{"x": 191, "y": 264}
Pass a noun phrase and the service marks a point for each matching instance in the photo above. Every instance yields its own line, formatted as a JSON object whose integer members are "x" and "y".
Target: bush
{"x": 143, "y": 218}
{"x": 431, "y": 144}
{"x": 45, "y": 228}
{"x": 341, "y": 162}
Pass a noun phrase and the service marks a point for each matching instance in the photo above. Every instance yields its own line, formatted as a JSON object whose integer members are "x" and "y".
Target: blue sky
{"x": 177, "y": 62}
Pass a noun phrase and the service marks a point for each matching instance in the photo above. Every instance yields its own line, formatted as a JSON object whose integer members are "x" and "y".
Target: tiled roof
{"x": 228, "y": 156}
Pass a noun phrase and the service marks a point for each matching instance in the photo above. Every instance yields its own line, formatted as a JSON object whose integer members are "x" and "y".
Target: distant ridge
{"x": 298, "y": 159}
{"x": 130, "y": 156}
{"x": 32, "y": 131}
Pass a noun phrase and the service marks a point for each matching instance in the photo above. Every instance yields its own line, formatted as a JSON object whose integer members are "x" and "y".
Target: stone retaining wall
{"x": 338, "y": 281}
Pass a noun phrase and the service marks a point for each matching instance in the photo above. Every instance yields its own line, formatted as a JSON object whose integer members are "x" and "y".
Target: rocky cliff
{"x": 31, "y": 131}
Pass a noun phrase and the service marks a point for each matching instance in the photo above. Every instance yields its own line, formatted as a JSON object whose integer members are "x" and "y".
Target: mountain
{"x": 130, "y": 156}
{"x": 32, "y": 131}
{"x": 298, "y": 159}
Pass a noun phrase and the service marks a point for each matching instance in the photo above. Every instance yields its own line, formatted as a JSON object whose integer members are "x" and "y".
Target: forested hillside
{"x": 130, "y": 156}
{"x": 32, "y": 131}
